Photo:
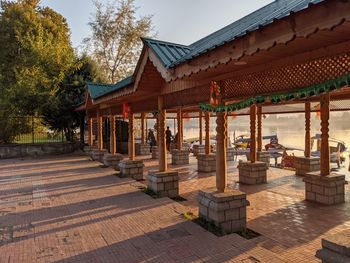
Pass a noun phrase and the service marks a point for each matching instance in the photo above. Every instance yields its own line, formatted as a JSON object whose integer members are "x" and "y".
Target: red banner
{"x": 214, "y": 94}
{"x": 126, "y": 110}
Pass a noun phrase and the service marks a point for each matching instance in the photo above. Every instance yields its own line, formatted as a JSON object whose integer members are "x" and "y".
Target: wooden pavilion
{"x": 290, "y": 51}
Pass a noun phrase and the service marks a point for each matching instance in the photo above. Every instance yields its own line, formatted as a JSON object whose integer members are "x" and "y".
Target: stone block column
{"x": 230, "y": 154}
{"x": 198, "y": 149}
{"x": 223, "y": 207}
{"x": 180, "y": 157}
{"x": 97, "y": 155}
{"x": 155, "y": 152}
{"x": 305, "y": 165}
{"x": 206, "y": 162}
{"x": 252, "y": 173}
{"x": 112, "y": 160}
{"x": 327, "y": 190}
{"x": 132, "y": 169}
{"x": 164, "y": 184}
{"x": 325, "y": 187}
{"x": 335, "y": 248}
{"x": 264, "y": 157}
{"x": 142, "y": 149}
{"x": 227, "y": 211}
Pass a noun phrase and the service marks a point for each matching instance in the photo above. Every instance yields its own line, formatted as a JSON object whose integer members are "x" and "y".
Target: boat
{"x": 337, "y": 149}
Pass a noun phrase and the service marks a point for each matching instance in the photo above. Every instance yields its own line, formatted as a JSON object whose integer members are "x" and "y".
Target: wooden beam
{"x": 179, "y": 129}
{"x": 259, "y": 115}
{"x": 207, "y": 133}
{"x": 325, "y": 154}
{"x": 307, "y": 129}
{"x": 131, "y": 137}
{"x": 253, "y": 133}
{"x": 163, "y": 166}
{"x": 100, "y": 130}
{"x": 112, "y": 139}
{"x": 200, "y": 128}
{"x": 221, "y": 165}
{"x": 90, "y": 127}
{"x": 143, "y": 131}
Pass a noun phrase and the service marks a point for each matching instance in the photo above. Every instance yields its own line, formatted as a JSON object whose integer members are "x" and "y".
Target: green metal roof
{"x": 97, "y": 90}
{"x": 167, "y": 52}
{"x": 174, "y": 54}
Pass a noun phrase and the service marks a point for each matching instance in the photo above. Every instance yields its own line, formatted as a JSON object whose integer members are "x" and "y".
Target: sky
{"x": 178, "y": 21}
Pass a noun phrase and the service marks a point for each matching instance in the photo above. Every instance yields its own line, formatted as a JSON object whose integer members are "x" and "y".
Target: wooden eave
{"x": 322, "y": 17}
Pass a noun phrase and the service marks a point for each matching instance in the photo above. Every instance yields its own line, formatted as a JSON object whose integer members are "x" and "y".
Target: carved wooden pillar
{"x": 226, "y": 130}
{"x": 99, "y": 130}
{"x": 131, "y": 137}
{"x": 253, "y": 133}
{"x": 90, "y": 128}
{"x": 221, "y": 166}
{"x": 179, "y": 129}
{"x": 112, "y": 139}
{"x": 207, "y": 133}
{"x": 325, "y": 154}
{"x": 163, "y": 166}
{"x": 259, "y": 126}
{"x": 307, "y": 129}
{"x": 200, "y": 128}
{"x": 157, "y": 127}
{"x": 143, "y": 131}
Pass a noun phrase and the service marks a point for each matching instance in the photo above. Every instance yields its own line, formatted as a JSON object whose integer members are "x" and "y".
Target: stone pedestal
{"x": 335, "y": 248}
{"x": 97, "y": 155}
{"x": 197, "y": 149}
{"x": 206, "y": 162}
{"x": 327, "y": 190}
{"x": 155, "y": 152}
{"x": 142, "y": 149}
{"x": 230, "y": 154}
{"x": 164, "y": 184}
{"x": 228, "y": 210}
{"x": 264, "y": 157}
{"x": 88, "y": 149}
{"x": 252, "y": 173}
{"x": 132, "y": 169}
{"x": 180, "y": 157}
{"x": 304, "y": 165}
{"x": 112, "y": 160}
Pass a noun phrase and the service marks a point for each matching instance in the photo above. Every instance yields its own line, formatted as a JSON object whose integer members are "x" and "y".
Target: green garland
{"x": 304, "y": 93}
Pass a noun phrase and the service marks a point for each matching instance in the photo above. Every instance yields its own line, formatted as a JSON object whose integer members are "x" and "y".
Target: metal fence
{"x": 27, "y": 130}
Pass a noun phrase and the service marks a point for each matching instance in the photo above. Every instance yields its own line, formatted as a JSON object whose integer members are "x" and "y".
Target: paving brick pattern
{"x": 69, "y": 209}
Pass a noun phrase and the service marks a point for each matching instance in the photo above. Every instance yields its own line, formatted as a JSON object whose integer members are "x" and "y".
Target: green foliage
{"x": 59, "y": 111}
{"x": 35, "y": 54}
{"x": 12, "y": 126}
{"x": 115, "y": 41}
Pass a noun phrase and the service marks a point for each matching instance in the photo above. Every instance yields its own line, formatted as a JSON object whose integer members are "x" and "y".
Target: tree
{"x": 35, "y": 54}
{"x": 115, "y": 41}
{"x": 59, "y": 112}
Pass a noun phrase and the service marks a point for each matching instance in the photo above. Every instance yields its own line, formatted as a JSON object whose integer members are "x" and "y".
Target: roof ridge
{"x": 261, "y": 17}
{"x": 164, "y": 42}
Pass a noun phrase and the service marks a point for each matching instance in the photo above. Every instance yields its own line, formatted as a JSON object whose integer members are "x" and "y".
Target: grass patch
{"x": 179, "y": 199}
{"x": 149, "y": 192}
{"x": 248, "y": 234}
{"x": 212, "y": 228}
{"x": 209, "y": 226}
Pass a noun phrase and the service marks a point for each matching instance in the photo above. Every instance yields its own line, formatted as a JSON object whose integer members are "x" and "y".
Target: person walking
{"x": 168, "y": 138}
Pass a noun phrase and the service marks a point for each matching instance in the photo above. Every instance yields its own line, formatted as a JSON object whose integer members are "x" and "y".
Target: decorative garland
{"x": 304, "y": 93}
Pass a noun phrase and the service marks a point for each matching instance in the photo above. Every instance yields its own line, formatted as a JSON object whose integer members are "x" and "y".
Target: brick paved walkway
{"x": 68, "y": 209}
